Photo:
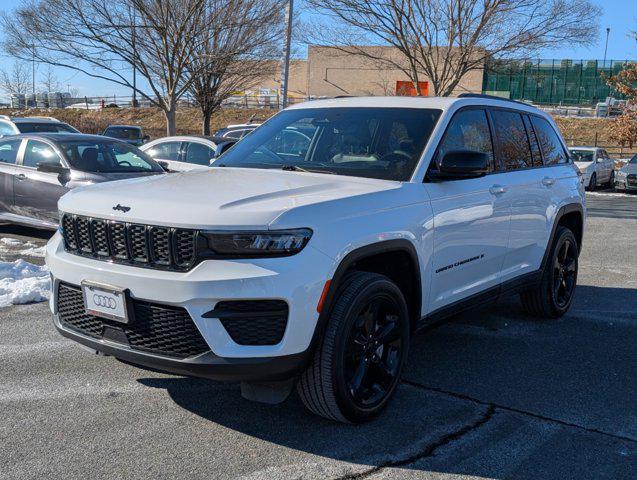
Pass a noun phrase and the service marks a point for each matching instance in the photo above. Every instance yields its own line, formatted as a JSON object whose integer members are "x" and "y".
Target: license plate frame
{"x": 106, "y": 301}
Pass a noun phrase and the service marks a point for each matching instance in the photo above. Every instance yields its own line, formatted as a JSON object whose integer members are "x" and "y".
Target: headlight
{"x": 275, "y": 243}
{"x": 621, "y": 174}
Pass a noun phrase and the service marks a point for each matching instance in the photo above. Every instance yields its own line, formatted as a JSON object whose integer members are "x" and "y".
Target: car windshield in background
{"x": 633, "y": 160}
{"x": 37, "y": 127}
{"x": 582, "y": 155}
{"x": 125, "y": 133}
{"x": 383, "y": 143}
{"x": 107, "y": 157}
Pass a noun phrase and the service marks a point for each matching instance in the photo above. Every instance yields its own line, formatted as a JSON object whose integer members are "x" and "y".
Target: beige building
{"x": 329, "y": 73}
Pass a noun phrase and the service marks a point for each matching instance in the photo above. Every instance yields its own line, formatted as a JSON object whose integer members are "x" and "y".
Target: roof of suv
{"x": 32, "y": 119}
{"x": 442, "y": 103}
{"x": 54, "y": 136}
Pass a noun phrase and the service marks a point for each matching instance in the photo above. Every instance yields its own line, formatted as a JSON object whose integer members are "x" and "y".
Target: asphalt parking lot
{"x": 490, "y": 394}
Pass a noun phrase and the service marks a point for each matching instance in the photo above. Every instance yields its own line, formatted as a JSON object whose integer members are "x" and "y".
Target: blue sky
{"x": 619, "y": 15}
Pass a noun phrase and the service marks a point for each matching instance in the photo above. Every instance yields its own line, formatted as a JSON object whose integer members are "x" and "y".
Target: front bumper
{"x": 623, "y": 183}
{"x": 297, "y": 280}
{"x": 207, "y": 365}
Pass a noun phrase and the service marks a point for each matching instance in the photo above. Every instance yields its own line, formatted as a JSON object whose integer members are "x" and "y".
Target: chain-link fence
{"x": 553, "y": 82}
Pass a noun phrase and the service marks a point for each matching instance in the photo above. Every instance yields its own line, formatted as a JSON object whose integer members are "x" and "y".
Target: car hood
{"x": 629, "y": 168}
{"x": 217, "y": 197}
{"x": 581, "y": 165}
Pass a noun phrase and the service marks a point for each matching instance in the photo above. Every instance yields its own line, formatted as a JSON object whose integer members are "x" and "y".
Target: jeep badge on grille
{"x": 121, "y": 208}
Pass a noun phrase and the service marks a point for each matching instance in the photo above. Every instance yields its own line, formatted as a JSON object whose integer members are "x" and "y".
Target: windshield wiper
{"x": 296, "y": 168}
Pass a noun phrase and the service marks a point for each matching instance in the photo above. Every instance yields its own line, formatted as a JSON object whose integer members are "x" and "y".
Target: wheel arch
{"x": 389, "y": 258}
{"x": 571, "y": 216}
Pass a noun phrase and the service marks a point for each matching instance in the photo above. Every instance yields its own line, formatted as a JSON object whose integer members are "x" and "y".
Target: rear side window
{"x": 549, "y": 142}
{"x": 198, "y": 154}
{"x": 513, "y": 144}
{"x": 468, "y": 130}
{"x": 535, "y": 146}
{"x": 9, "y": 151}
{"x": 165, "y": 151}
{"x": 6, "y": 129}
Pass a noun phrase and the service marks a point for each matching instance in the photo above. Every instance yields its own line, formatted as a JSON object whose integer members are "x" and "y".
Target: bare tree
{"x": 16, "y": 80}
{"x": 49, "y": 80}
{"x": 106, "y": 39}
{"x": 237, "y": 50}
{"x": 446, "y": 39}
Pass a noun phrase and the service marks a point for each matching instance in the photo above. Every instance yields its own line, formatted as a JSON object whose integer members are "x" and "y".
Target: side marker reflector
{"x": 321, "y": 302}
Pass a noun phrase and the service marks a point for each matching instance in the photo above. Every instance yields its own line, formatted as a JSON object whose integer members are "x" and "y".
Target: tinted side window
{"x": 535, "y": 146}
{"x": 549, "y": 142}
{"x": 468, "y": 130}
{"x": 165, "y": 151}
{"x": 198, "y": 154}
{"x": 9, "y": 151}
{"x": 513, "y": 145}
{"x": 39, "y": 152}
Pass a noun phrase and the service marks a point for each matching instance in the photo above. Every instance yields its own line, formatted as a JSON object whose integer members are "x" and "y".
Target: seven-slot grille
{"x": 154, "y": 328}
{"x": 132, "y": 243}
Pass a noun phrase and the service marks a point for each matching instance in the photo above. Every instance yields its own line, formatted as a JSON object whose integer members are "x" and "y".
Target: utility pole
{"x": 606, "y": 47}
{"x": 285, "y": 70}
{"x": 33, "y": 70}
{"x": 134, "y": 103}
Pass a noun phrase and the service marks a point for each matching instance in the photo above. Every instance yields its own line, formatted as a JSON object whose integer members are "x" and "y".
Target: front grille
{"x": 130, "y": 243}
{"x": 154, "y": 328}
{"x": 252, "y": 322}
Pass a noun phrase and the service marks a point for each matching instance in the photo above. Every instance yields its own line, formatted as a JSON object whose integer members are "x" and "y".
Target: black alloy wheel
{"x": 564, "y": 273}
{"x": 373, "y": 352}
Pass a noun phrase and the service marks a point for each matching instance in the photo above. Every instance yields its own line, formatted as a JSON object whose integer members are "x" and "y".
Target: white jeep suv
{"x": 313, "y": 263}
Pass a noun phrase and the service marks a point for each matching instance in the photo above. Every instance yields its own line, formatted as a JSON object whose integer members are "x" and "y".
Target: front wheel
{"x": 611, "y": 180}
{"x": 592, "y": 184}
{"x": 357, "y": 366}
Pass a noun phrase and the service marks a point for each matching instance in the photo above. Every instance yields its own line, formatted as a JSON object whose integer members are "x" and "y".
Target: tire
{"x": 553, "y": 296}
{"x": 611, "y": 179}
{"x": 592, "y": 184}
{"x": 351, "y": 351}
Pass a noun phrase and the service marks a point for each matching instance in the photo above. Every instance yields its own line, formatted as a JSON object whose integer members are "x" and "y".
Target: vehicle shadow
{"x": 580, "y": 371}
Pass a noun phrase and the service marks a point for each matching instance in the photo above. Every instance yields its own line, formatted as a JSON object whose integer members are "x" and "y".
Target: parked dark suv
{"x": 36, "y": 170}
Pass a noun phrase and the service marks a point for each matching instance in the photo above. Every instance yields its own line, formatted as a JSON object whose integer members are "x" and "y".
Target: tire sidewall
{"x": 381, "y": 286}
{"x": 563, "y": 235}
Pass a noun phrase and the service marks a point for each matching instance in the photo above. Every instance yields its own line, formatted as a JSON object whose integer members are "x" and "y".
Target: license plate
{"x": 105, "y": 301}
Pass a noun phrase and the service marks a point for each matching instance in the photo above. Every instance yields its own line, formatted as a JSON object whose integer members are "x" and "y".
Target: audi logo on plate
{"x": 104, "y": 301}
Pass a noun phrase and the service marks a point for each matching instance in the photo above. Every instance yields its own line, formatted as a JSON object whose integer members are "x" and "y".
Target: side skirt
{"x": 482, "y": 299}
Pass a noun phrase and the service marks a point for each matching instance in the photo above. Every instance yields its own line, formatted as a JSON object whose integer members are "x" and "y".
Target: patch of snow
{"x": 22, "y": 282}
{"x": 610, "y": 194}
{"x": 13, "y": 246}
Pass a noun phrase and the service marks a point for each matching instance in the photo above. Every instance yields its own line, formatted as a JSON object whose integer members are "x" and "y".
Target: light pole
{"x": 285, "y": 69}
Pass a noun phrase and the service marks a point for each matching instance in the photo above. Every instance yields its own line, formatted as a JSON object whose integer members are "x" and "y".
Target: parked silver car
{"x": 626, "y": 177}
{"x": 17, "y": 125}
{"x": 36, "y": 170}
{"x": 187, "y": 152}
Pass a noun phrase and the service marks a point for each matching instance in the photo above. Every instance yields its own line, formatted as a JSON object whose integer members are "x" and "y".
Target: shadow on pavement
{"x": 574, "y": 377}
{"x": 25, "y": 231}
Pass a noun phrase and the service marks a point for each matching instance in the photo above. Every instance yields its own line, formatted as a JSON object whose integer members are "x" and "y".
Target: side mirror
{"x": 459, "y": 164}
{"x": 145, "y": 138}
{"x": 52, "y": 167}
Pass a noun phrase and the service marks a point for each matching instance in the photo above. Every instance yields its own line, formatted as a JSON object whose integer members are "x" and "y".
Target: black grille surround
{"x": 148, "y": 246}
{"x": 252, "y": 322}
{"x": 154, "y": 328}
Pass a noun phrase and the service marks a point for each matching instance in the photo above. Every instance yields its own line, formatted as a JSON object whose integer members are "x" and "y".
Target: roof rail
{"x": 53, "y": 119}
{"x": 490, "y": 97}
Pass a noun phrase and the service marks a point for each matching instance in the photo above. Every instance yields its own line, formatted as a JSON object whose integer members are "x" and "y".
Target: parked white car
{"x": 597, "y": 168}
{"x": 314, "y": 266}
{"x": 181, "y": 153}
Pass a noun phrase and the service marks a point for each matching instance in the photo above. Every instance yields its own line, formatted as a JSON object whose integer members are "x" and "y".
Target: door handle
{"x": 21, "y": 176}
{"x": 497, "y": 189}
{"x": 547, "y": 182}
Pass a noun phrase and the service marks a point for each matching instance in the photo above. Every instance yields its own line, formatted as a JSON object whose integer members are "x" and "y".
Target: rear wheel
{"x": 357, "y": 366}
{"x": 553, "y": 297}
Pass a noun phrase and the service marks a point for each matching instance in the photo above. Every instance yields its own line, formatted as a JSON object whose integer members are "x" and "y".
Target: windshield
{"x": 37, "y": 127}
{"x": 582, "y": 155}
{"x": 383, "y": 143}
{"x": 106, "y": 156}
{"x": 633, "y": 160}
{"x": 126, "y": 133}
